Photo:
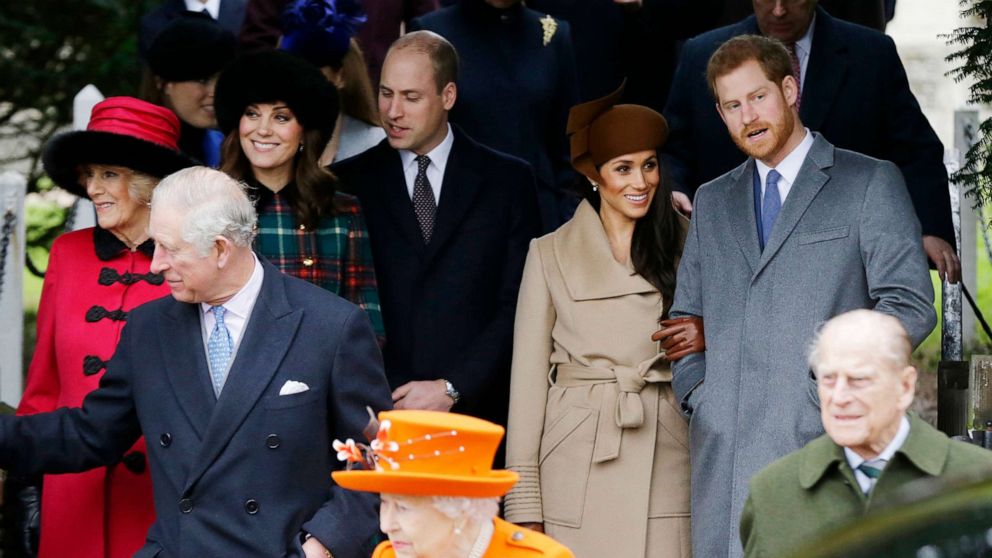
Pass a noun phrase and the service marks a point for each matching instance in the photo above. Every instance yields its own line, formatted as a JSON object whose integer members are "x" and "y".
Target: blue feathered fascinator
{"x": 320, "y": 30}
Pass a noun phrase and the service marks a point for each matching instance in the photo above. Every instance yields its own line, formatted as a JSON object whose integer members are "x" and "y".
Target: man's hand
{"x": 313, "y": 549}
{"x": 944, "y": 257}
{"x": 682, "y": 203}
{"x": 431, "y": 395}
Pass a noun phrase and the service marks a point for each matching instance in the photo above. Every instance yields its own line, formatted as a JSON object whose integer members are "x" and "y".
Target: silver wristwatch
{"x": 450, "y": 391}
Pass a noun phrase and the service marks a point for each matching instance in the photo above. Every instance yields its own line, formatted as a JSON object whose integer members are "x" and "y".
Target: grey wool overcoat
{"x": 847, "y": 237}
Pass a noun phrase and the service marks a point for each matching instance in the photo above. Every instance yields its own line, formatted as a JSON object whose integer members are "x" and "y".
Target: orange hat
{"x": 600, "y": 130}
{"x": 428, "y": 453}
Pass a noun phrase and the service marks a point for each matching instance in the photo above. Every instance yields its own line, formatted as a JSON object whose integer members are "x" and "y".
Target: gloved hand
{"x": 681, "y": 336}
{"x": 24, "y": 494}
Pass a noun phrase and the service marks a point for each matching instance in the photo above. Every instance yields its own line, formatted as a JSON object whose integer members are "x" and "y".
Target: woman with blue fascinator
{"x": 321, "y": 31}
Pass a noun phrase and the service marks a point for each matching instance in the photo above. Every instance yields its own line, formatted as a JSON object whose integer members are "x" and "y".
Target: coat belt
{"x": 622, "y": 385}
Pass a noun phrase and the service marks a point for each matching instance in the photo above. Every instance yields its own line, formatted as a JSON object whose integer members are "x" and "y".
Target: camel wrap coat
{"x": 594, "y": 430}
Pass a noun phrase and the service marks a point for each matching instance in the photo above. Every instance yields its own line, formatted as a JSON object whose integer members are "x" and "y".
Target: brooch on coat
{"x": 549, "y": 25}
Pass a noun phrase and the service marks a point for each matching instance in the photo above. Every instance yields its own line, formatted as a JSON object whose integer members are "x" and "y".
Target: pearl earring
{"x": 595, "y": 187}
{"x": 300, "y": 150}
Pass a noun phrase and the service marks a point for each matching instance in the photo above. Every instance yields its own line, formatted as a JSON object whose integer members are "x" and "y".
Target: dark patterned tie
{"x": 872, "y": 469}
{"x": 424, "y": 204}
{"x": 797, "y": 72}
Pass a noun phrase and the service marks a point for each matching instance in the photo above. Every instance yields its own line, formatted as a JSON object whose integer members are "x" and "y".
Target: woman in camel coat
{"x": 594, "y": 430}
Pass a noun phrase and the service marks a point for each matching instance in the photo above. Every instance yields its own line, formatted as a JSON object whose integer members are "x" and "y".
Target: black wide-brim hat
{"x": 192, "y": 47}
{"x": 123, "y": 131}
{"x": 274, "y": 75}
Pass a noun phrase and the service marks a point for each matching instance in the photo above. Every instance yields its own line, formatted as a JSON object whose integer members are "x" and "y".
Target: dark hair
{"x": 357, "y": 96}
{"x": 656, "y": 245}
{"x": 769, "y": 53}
{"x": 443, "y": 56}
{"x": 315, "y": 185}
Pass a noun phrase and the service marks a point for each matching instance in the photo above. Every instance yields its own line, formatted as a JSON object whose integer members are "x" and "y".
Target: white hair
{"x": 873, "y": 332}
{"x": 213, "y": 204}
{"x": 474, "y": 509}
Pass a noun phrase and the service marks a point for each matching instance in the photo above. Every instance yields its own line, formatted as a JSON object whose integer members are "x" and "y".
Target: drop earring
{"x": 595, "y": 187}
{"x": 300, "y": 150}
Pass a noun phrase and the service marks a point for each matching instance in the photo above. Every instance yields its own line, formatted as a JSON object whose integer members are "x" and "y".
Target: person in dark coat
{"x": 184, "y": 62}
{"x": 853, "y": 91}
{"x": 230, "y": 14}
{"x": 449, "y": 221}
{"x": 871, "y": 448}
{"x": 241, "y": 379}
{"x": 517, "y": 82}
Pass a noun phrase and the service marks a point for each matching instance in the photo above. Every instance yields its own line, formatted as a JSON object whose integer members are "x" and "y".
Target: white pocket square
{"x": 292, "y": 386}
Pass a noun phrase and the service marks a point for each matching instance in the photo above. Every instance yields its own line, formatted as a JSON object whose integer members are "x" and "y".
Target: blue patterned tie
{"x": 771, "y": 203}
{"x": 219, "y": 349}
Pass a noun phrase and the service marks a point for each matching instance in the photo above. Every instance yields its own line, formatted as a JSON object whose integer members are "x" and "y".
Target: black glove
{"x": 24, "y": 494}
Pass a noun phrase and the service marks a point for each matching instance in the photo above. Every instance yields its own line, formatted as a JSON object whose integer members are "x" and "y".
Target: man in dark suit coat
{"x": 240, "y": 410}
{"x": 871, "y": 450}
{"x": 448, "y": 302}
{"x": 854, "y": 92}
{"x": 230, "y": 15}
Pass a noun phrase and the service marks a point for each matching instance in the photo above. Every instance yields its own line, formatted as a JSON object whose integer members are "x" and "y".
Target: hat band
{"x": 150, "y": 127}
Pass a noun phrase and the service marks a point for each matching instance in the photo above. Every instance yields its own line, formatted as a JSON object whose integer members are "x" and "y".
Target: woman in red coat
{"x": 95, "y": 277}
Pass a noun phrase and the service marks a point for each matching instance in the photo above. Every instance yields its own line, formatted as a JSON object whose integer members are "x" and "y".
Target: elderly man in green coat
{"x": 871, "y": 448}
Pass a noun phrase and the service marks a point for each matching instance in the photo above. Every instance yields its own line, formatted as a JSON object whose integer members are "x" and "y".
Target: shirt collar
{"x": 438, "y": 155}
{"x": 805, "y": 43}
{"x": 789, "y": 167}
{"x": 855, "y": 460}
{"x": 212, "y": 7}
{"x": 241, "y": 303}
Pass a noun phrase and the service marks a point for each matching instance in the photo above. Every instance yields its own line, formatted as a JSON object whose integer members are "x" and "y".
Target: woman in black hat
{"x": 277, "y": 112}
{"x": 184, "y": 62}
{"x": 95, "y": 277}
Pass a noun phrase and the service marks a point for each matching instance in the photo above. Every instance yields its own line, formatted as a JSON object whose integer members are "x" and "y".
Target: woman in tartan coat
{"x": 277, "y": 112}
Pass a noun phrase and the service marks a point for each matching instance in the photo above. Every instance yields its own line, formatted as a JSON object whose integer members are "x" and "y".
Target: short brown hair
{"x": 443, "y": 56}
{"x": 769, "y": 53}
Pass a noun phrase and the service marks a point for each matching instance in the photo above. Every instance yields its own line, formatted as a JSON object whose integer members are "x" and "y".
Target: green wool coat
{"x": 813, "y": 490}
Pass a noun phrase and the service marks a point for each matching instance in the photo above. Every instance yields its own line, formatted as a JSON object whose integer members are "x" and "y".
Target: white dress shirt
{"x": 788, "y": 168}
{"x": 435, "y": 171}
{"x": 803, "y": 48}
{"x": 238, "y": 309}
{"x": 212, "y": 7}
{"x": 855, "y": 460}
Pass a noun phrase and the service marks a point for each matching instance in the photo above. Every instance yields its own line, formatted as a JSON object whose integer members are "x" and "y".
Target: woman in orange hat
{"x": 95, "y": 277}
{"x": 599, "y": 443}
{"x": 440, "y": 495}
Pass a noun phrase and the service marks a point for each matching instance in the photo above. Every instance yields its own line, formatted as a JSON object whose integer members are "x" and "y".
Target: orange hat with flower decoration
{"x": 427, "y": 453}
{"x": 600, "y": 130}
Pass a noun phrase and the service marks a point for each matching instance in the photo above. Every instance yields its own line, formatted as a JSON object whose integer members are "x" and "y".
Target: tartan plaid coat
{"x": 335, "y": 256}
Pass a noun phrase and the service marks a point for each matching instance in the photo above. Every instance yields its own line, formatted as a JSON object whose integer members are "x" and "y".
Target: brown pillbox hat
{"x": 600, "y": 130}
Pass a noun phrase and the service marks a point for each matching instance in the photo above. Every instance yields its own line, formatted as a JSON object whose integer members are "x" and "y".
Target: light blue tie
{"x": 219, "y": 349}
{"x": 771, "y": 203}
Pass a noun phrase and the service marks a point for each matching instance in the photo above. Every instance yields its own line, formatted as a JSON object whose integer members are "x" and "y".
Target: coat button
{"x": 307, "y": 262}
{"x": 517, "y": 536}
{"x": 272, "y": 441}
{"x": 185, "y": 505}
{"x": 251, "y": 506}
{"x": 165, "y": 440}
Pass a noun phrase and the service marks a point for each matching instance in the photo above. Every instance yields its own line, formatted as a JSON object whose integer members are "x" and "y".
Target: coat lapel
{"x": 459, "y": 189}
{"x": 391, "y": 191}
{"x": 270, "y": 331}
{"x": 186, "y": 369}
{"x": 824, "y": 73}
{"x": 810, "y": 180}
{"x": 589, "y": 270}
{"x": 739, "y": 212}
